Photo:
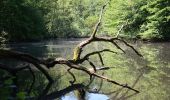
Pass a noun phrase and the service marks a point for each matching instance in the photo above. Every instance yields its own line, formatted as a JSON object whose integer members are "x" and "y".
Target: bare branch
{"x": 114, "y": 82}
{"x": 101, "y": 59}
{"x": 121, "y": 28}
{"x": 99, "y": 21}
{"x": 93, "y": 66}
{"x": 26, "y": 58}
{"x": 57, "y": 94}
{"x": 12, "y": 70}
{"x": 91, "y": 73}
{"x": 86, "y": 57}
{"x": 80, "y": 46}
{"x": 127, "y": 44}
{"x": 74, "y": 78}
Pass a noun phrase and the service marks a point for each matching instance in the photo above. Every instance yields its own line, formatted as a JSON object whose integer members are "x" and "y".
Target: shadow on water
{"x": 150, "y": 75}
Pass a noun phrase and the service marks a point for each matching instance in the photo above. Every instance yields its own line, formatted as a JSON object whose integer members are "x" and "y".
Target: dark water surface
{"x": 150, "y": 74}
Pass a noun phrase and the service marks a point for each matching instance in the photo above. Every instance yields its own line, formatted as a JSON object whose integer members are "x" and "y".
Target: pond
{"x": 150, "y": 75}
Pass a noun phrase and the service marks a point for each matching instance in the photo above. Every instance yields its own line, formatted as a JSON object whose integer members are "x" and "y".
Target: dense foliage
{"x": 36, "y": 19}
{"x": 151, "y": 19}
{"x": 21, "y": 20}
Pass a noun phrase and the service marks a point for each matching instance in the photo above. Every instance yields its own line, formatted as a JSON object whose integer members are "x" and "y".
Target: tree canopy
{"x": 38, "y": 19}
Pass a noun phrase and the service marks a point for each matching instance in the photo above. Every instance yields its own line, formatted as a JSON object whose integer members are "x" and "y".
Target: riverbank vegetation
{"x": 23, "y": 20}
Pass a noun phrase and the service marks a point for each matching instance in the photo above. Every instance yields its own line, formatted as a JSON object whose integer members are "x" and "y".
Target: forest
{"x": 84, "y": 49}
{"x": 25, "y": 20}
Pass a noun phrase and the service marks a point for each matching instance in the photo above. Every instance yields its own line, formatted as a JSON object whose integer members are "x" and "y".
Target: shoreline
{"x": 84, "y": 37}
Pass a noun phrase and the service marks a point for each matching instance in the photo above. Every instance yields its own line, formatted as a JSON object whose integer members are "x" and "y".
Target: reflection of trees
{"x": 125, "y": 96}
{"x": 155, "y": 69}
{"x": 154, "y": 82}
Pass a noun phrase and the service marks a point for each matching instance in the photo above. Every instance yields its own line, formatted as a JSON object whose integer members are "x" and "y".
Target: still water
{"x": 150, "y": 75}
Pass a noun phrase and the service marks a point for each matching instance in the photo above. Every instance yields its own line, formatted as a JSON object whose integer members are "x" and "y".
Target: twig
{"x": 86, "y": 57}
{"x": 99, "y": 21}
{"x": 114, "y": 82}
{"x": 74, "y": 78}
{"x": 101, "y": 59}
{"x": 120, "y": 29}
{"x": 127, "y": 44}
{"x": 93, "y": 66}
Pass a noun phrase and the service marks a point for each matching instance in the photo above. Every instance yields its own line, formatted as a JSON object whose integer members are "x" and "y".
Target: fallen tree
{"x": 74, "y": 63}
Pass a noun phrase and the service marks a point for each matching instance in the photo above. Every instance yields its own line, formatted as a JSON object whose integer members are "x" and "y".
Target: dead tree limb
{"x": 57, "y": 94}
{"x": 26, "y": 58}
{"x": 99, "y": 21}
{"x": 77, "y": 60}
{"x": 121, "y": 28}
{"x": 12, "y": 70}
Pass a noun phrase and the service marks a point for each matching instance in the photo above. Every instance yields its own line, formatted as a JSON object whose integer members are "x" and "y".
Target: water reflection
{"x": 150, "y": 75}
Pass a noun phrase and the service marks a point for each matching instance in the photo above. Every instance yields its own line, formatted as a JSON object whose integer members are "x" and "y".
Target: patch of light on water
{"x": 70, "y": 96}
{"x": 90, "y": 96}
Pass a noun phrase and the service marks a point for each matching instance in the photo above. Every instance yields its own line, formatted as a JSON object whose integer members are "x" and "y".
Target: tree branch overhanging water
{"x": 76, "y": 62}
